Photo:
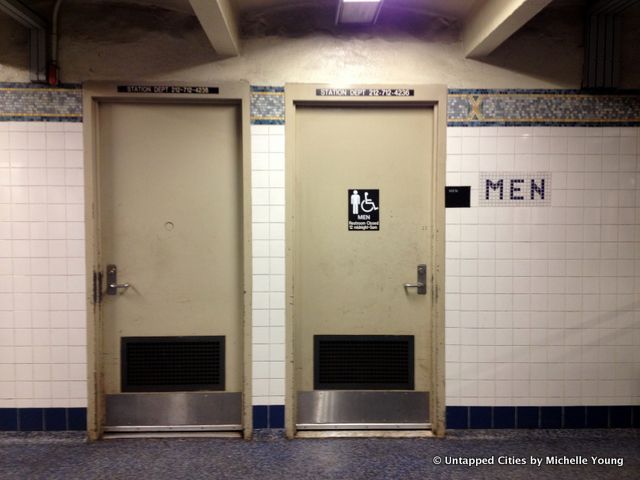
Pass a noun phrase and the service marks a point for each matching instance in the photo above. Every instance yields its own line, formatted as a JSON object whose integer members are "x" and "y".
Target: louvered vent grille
{"x": 363, "y": 362}
{"x": 161, "y": 364}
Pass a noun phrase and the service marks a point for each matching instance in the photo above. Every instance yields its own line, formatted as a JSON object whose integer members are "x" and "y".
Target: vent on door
{"x": 363, "y": 362}
{"x": 169, "y": 364}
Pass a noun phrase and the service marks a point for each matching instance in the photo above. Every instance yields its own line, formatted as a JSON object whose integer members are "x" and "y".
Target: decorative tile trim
{"x": 43, "y": 419}
{"x": 597, "y": 416}
{"x": 25, "y": 102}
{"x": 484, "y": 107}
{"x": 268, "y": 416}
{"x": 267, "y": 105}
{"x": 458, "y": 417}
{"x": 466, "y": 107}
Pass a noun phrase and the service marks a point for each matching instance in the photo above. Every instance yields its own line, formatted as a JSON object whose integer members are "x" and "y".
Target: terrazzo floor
{"x": 68, "y": 456}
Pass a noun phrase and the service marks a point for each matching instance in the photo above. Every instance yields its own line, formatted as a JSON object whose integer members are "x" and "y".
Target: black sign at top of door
{"x": 364, "y": 209}
{"x": 365, "y": 92}
{"x": 193, "y": 90}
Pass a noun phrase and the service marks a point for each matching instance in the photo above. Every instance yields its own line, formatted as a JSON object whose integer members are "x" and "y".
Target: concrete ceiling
{"x": 484, "y": 24}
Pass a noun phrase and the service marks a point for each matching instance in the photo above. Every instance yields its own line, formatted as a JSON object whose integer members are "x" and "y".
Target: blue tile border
{"x": 8, "y": 419}
{"x": 596, "y": 416}
{"x": 31, "y": 419}
{"x": 268, "y": 416}
{"x": 55, "y": 419}
{"x": 527, "y": 417}
{"x": 551, "y": 417}
{"x": 481, "y": 417}
{"x": 43, "y": 419}
{"x": 457, "y": 417}
{"x": 504, "y": 417}
{"x": 276, "y": 416}
{"x": 260, "y": 416}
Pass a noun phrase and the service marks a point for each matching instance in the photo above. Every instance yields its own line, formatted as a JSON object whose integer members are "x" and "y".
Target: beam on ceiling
{"x": 218, "y": 19}
{"x": 610, "y": 7}
{"x": 22, "y": 14}
{"x": 494, "y": 22}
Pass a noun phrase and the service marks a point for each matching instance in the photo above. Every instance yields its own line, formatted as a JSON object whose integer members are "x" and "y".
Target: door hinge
{"x": 97, "y": 287}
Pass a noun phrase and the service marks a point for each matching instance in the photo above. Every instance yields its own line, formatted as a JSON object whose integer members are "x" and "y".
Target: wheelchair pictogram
{"x": 370, "y": 205}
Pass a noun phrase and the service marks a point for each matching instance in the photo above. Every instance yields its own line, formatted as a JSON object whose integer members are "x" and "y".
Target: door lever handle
{"x": 112, "y": 281}
{"x": 421, "y": 284}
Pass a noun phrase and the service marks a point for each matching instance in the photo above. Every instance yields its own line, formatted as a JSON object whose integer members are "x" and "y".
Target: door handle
{"x": 112, "y": 281}
{"x": 421, "y": 284}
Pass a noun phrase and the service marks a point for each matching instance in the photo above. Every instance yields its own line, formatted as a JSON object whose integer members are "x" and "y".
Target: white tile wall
{"x": 268, "y": 263}
{"x": 42, "y": 288}
{"x": 542, "y": 303}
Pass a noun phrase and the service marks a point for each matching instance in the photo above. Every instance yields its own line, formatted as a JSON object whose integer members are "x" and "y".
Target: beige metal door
{"x": 170, "y": 199}
{"x": 351, "y": 282}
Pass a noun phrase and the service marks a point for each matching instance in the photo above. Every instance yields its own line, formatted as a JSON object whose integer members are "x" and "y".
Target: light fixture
{"x": 358, "y": 12}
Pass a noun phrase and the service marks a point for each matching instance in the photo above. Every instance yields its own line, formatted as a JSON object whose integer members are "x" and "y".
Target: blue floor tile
{"x": 527, "y": 417}
{"x": 30, "y": 419}
{"x": 597, "y": 417}
{"x": 550, "y": 417}
{"x": 8, "y": 419}
{"x": 260, "y": 416}
{"x": 574, "y": 417}
{"x": 77, "y": 419}
{"x": 480, "y": 417}
{"x": 276, "y": 416}
{"x": 504, "y": 417}
{"x": 55, "y": 419}
{"x": 620, "y": 416}
{"x": 457, "y": 417}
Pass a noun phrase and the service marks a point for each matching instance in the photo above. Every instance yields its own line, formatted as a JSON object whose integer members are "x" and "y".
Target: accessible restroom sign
{"x": 364, "y": 209}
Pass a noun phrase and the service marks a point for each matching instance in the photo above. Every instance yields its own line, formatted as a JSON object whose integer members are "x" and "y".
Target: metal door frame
{"x": 95, "y": 93}
{"x": 433, "y": 96}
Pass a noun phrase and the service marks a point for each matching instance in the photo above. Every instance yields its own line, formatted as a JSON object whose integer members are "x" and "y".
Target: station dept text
{"x": 364, "y": 92}
{"x": 531, "y": 460}
{"x": 199, "y": 90}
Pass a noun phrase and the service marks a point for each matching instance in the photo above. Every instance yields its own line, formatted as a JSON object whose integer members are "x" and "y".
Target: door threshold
{"x": 364, "y": 426}
{"x": 132, "y": 435}
{"x": 171, "y": 428}
{"x": 364, "y": 433}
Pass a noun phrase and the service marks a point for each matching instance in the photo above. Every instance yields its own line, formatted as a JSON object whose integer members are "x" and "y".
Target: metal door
{"x": 170, "y": 226}
{"x": 364, "y": 219}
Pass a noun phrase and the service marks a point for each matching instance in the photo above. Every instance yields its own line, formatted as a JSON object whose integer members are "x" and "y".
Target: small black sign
{"x": 194, "y": 90}
{"x": 364, "y": 209}
{"x": 365, "y": 92}
{"x": 457, "y": 197}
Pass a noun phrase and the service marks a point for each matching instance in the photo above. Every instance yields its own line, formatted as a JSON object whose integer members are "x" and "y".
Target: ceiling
{"x": 484, "y": 24}
{"x": 451, "y": 9}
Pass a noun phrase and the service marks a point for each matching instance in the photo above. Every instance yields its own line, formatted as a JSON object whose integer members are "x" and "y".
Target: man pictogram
{"x": 355, "y": 202}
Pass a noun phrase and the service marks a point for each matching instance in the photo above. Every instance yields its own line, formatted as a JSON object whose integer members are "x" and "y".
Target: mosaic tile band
{"x": 466, "y": 107}
{"x": 28, "y": 102}
{"x": 541, "y": 108}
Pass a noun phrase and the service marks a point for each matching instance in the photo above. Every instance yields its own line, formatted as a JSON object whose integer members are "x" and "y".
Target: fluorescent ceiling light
{"x": 358, "y": 11}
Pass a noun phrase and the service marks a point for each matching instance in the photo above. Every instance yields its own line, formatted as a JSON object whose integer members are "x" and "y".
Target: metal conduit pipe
{"x": 53, "y": 71}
